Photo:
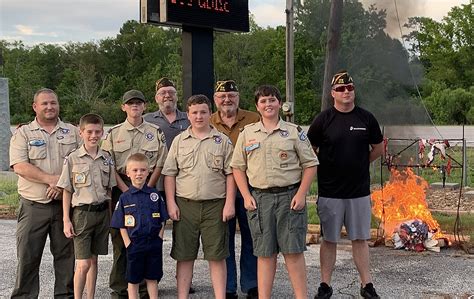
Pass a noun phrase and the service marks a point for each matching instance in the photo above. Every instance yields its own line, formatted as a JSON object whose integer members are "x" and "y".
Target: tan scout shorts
{"x": 92, "y": 233}
{"x": 200, "y": 219}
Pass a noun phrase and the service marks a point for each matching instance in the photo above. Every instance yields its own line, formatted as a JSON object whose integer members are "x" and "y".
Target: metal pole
{"x": 5, "y": 132}
{"x": 464, "y": 159}
{"x": 288, "y": 107}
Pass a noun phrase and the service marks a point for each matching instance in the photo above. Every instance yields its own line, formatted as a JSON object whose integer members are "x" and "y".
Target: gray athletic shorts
{"x": 353, "y": 213}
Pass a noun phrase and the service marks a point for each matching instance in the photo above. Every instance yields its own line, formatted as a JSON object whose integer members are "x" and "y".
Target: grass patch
{"x": 447, "y": 221}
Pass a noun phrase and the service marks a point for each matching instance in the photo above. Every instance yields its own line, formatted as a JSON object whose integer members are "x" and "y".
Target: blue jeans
{"x": 248, "y": 262}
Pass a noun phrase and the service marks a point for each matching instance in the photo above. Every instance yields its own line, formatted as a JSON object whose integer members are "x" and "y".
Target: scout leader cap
{"x": 133, "y": 94}
{"x": 226, "y": 86}
{"x": 341, "y": 77}
{"x": 164, "y": 82}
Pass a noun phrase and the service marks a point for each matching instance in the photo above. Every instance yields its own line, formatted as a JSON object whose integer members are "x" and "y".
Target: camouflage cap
{"x": 341, "y": 77}
{"x": 226, "y": 86}
{"x": 133, "y": 94}
{"x": 164, "y": 82}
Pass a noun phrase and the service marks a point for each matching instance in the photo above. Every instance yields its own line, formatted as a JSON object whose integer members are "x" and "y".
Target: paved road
{"x": 397, "y": 274}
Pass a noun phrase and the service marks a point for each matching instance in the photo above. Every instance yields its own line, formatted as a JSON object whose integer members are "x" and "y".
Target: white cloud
{"x": 269, "y": 14}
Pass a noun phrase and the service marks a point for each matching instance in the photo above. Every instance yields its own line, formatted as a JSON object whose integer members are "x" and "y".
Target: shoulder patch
{"x": 299, "y": 129}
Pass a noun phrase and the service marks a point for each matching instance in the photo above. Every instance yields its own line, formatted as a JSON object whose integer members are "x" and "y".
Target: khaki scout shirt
{"x": 87, "y": 178}
{"x": 124, "y": 140}
{"x": 243, "y": 118}
{"x": 32, "y": 144}
{"x": 200, "y": 166}
{"x": 273, "y": 159}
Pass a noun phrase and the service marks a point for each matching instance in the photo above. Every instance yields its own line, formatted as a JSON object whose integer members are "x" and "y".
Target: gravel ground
{"x": 397, "y": 274}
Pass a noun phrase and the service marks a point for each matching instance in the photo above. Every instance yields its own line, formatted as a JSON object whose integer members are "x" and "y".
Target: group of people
{"x": 205, "y": 171}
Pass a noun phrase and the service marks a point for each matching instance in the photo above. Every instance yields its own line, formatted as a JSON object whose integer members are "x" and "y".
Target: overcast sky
{"x": 60, "y": 21}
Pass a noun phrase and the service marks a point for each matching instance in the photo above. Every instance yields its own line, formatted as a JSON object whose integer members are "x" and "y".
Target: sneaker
{"x": 368, "y": 291}
{"x": 231, "y": 295}
{"x": 252, "y": 293}
{"x": 324, "y": 291}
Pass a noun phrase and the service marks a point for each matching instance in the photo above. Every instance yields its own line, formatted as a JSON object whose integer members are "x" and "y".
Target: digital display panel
{"x": 222, "y": 15}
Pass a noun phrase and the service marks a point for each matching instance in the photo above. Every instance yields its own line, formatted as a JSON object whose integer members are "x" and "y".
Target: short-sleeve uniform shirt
{"x": 243, "y": 118}
{"x": 200, "y": 166}
{"x": 32, "y": 144}
{"x": 87, "y": 178}
{"x": 141, "y": 211}
{"x": 124, "y": 140}
{"x": 273, "y": 159}
{"x": 171, "y": 130}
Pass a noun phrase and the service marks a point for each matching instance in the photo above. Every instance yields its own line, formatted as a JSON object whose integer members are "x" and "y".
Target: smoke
{"x": 405, "y": 9}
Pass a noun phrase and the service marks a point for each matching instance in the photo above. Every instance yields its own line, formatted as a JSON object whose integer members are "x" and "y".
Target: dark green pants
{"x": 35, "y": 222}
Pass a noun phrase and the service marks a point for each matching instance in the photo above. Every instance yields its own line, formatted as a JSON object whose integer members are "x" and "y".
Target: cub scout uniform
{"x": 30, "y": 143}
{"x": 87, "y": 178}
{"x": 39, "y": 216}
{"x": 273, "y": 159}
{"x": 200, "y": 166}
{"x": 124, "y": 139}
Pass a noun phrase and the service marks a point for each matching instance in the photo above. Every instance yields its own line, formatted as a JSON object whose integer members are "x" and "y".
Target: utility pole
{"x": 332, "y": 50}
{"x": 288, "y": 105}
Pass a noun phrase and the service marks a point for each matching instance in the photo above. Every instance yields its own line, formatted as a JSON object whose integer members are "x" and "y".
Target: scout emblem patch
{"x": 79, "y": 178}
{"x": 149, "y": 155}
{"x": 217, "y": 161}
{"x": 129, "y": 221}
{"x": 283, "y": 155}
{"x": 284, "y": 134}
{"x": 155, "y": 215}
{"x": 218, "y": 139}
{"x": 65, "y": 131}
{"x": 154, "y": 196}
{"x": 149, "y": 136}
{"x": 37, "y": 142}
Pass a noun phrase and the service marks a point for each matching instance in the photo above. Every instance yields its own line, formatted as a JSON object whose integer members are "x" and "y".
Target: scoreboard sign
{"x": 222, "y": 15}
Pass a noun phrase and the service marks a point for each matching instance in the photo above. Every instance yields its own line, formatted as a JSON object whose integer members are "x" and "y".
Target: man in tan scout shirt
{"x": 134, "y": 135}
{"x": 200, "y": 194}
{"x": 279, "y": 163}
{"x": 230, "y": 119}
{"x": 37, "y": 151}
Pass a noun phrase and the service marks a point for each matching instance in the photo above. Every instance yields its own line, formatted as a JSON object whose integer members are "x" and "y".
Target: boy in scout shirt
{"x": 140, "y": 214}
{"x": 280, "y": 164}
{"x": 87, "y": 179}
{"x": 200, "y": 196}
{"x": 132, "y": 136}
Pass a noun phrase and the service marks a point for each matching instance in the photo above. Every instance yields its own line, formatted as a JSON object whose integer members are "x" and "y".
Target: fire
{"x": 402, "y": 199}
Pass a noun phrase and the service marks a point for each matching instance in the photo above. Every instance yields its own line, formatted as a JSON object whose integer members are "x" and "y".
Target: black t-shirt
{"x": 344, "y": 142}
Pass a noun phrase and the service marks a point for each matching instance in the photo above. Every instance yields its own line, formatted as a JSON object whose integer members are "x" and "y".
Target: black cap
{"x": 133, "y": 94}
{"x": 226, "y": 86}
{"x": 164, "y": 82}
{"x": 341, "y": 77}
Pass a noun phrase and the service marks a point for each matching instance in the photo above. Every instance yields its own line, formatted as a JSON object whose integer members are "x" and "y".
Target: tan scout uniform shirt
{"x": 124, "y": 139}
{"x": 243, "y": 118}
{"x": 31, "y": 143}
{"x": 87, "y": 178}
{"x": 273, "y": 159}
{"x": 200, "y": 166}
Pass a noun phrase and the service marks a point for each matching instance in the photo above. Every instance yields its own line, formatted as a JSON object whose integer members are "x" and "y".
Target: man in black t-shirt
{"x": 347, "y": 138}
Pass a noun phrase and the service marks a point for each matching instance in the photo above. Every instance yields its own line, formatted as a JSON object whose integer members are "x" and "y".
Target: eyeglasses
{"x": 230, "y": 96}
{"x": 343, "y": 88}
{"x": 164, "y": 92}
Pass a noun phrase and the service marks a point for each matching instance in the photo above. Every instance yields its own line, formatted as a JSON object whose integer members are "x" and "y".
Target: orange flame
{"x": 403, "y": 198}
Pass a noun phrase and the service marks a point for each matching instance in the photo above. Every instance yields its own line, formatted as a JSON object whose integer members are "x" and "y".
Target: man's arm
{"x": 154, "y": 177}
{"x": 376, "y": 151}
{"x": 120, "y": 184}
{"x": 229, "y": 207}
{"x": 32, "y": 173}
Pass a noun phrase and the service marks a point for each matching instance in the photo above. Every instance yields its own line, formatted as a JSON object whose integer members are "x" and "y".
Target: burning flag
{"x": 402, "y": 203}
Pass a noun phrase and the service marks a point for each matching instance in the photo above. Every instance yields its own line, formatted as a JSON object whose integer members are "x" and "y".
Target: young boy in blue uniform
{"x": 140, "y": 214}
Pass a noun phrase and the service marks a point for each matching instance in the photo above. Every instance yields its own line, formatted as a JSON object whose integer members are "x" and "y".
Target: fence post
{"x": 5, "y": 132}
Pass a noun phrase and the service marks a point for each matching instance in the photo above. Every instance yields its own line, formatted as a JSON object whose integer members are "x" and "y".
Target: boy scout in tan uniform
{"x": 200, "y": 195}
{"x": 132, "y": 136}
{"x": 280, "y": 164}
{"x": 87, "y": 179}
{"x": 37, "y": 151}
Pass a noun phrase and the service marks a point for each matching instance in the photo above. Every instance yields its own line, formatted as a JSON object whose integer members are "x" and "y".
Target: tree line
{"x": 393, "y": 81}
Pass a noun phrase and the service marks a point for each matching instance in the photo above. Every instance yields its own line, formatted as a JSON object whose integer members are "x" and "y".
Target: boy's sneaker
{"x": 324, "y": 291}
{"x": 368, "y": 291}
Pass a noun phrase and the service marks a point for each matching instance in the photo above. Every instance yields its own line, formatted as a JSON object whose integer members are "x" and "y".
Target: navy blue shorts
{"x": 145, "y": 260}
